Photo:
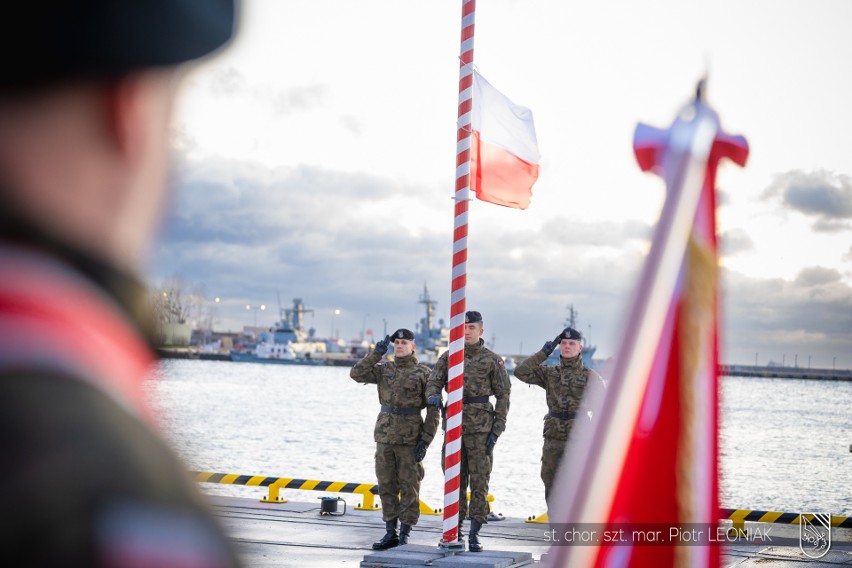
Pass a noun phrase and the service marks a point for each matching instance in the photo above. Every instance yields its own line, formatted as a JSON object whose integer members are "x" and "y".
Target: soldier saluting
{"x": 564, "y": 385}
{"x": 484, "y": 376}
{"x": 402, "y": 437}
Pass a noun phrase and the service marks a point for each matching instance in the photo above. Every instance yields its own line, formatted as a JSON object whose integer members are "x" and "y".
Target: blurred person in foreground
{"x": 564, "y": 386}
{"x": 86, "y": 96}
{"x": 402, "y": 436}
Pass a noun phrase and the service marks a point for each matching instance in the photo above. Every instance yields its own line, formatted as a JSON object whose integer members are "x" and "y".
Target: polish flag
{"x": 504, "y": 151}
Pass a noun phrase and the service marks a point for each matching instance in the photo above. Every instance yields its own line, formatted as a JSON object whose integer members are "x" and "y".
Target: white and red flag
{"x": 648, "y": 461}
{"x": 504, "y": 153}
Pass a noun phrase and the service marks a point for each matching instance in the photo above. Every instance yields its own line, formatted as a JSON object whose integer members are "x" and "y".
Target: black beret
{"x": 403, "y": 333}
{"x": 472, "y": 317}
{"x": 44, "y": 42}
{"x": 571, "y": 333}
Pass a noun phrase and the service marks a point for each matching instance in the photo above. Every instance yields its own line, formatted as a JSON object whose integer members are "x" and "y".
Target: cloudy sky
{"x": 315, "y": 159}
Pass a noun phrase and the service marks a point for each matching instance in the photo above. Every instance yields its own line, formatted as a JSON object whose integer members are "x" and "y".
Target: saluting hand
{"x": 382, "y": 345}
{"x": 549, "y": 346}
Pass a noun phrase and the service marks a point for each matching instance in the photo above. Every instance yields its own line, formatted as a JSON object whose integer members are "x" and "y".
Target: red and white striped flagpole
{"x": 455, "y": 371}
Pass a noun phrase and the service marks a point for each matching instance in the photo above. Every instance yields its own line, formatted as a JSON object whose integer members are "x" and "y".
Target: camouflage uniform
{"x": 484, "y": 375}
{"x": 401, "y": 385}
{"x": 564, "y": 385}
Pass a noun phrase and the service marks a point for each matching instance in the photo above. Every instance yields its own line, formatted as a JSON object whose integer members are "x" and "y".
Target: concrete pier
{"x": 295, "y": 534}
{"x": 786, "y": 372}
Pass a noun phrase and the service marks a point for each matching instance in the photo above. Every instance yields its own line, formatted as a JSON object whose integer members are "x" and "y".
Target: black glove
{"x": 420, "y": 450}
{"x": 382, "y": 345}
{"x": 489, "y": 443}
{"x": 434, "y": 400}
{"x": 549, "y": 346}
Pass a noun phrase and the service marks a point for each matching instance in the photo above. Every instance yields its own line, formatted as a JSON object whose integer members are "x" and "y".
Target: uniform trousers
{"x": 399, "y": 477}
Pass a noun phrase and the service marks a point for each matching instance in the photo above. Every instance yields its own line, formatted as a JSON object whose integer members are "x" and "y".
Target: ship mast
{"x": 430, "y": 310}
{"x": 571, "y": 320}
{"x": 294, "y": 315}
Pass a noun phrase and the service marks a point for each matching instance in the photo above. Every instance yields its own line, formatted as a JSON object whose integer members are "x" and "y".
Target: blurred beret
{"x": 54, "y": 40}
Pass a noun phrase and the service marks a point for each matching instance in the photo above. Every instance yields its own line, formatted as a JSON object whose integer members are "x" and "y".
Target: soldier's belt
{"x": 400, "y": 409}
{"x": 562, "y": 415}
{"x": 474, "y": 399}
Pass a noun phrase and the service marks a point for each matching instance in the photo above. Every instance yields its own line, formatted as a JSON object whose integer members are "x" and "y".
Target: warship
{"x": 287, "y": 342}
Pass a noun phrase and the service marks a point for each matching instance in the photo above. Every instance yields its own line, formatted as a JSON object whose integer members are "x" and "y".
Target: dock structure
{"x": 296, "y": 534}
{"x": 774, "y": 372}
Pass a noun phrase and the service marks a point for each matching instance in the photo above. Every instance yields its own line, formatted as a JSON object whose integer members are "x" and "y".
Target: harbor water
{"x": 785, "y": 443}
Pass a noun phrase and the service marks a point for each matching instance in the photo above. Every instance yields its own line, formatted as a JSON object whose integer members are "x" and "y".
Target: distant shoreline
{"x": 730, "y": 370}
{"x": 786, "y": 372}
{"x": 187, "y": 353}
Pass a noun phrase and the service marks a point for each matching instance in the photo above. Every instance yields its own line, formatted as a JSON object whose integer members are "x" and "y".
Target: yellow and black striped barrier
{"x": 740, "y": 516}
{"x": 368, "y": 491}
{"x": 542, "y": 518}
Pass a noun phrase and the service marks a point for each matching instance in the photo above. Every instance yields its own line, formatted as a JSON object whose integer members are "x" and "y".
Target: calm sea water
{"x": 785, "y": 444}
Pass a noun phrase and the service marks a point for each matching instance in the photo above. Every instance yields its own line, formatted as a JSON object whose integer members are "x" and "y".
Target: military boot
{"x": 404, "y": 531}
{"x": 390, "y": 539}
{"x": 473, "y": 539}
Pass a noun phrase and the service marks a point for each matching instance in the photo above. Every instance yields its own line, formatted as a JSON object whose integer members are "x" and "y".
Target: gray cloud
{"x": 816, "y": 276}
{"x": 352, "y": 125}
{"x": 830, "y": 226}
{"x": 821, "y": 194}
{"x": 335, "y": 240}
{"x": 299, "y": 98}
{"x": 230, "y": 82}
{"x": 811, "y": 316}
{"x": 734, "y": 242}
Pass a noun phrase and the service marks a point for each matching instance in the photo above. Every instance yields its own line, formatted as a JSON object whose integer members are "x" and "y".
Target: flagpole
{"x": 455, "y": 366}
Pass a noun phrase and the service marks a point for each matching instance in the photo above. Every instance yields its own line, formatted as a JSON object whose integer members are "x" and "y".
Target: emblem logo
{"x": 814, "y": 534}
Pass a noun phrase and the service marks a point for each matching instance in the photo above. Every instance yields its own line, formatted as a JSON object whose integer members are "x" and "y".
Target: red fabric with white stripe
{"x": 651, "y": 454}
{"x": 52, "y": 319}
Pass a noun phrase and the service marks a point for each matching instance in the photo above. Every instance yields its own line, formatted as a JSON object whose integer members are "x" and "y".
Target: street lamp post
{"x": 364, "y": 327}
{"x": 208, "y": 323}
{"x": 255, "y": 308}
{"x": 336, "y": 312}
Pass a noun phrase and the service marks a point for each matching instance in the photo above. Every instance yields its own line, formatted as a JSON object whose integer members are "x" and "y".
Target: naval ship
{"x": 287, "y": 342}
{"x": 431, "y": 339}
